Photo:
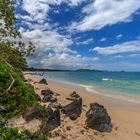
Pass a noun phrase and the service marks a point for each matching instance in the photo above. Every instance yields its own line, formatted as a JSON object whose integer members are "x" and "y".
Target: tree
{"x": 12, "y": 49}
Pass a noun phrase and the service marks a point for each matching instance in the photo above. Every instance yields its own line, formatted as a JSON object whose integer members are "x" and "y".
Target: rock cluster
{"x": 96, "y": 117}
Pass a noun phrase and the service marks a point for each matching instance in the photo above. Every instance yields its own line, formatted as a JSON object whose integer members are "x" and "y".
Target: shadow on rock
{"x": 98, "y": 118}
{"x": 74, "y": 109}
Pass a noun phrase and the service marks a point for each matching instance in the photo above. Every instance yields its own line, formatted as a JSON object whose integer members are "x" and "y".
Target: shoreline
{"x": 110, "y": 100}
{"x": 122, "y": 116}
{"x": 132, "y": 98}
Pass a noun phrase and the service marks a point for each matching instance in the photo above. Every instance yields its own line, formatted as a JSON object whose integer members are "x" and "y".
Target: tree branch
{"x": 13, "y": 80}
{"x": 7, "y": 63}
{"x": 10, "y": 86}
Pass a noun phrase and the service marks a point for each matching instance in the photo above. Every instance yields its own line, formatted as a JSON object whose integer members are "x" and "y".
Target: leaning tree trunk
{"x": 13, "y": 80}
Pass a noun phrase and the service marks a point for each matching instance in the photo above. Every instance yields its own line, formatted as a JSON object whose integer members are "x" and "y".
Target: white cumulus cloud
{"x": 126, "y": 47}
{"x": 101, "y": 13}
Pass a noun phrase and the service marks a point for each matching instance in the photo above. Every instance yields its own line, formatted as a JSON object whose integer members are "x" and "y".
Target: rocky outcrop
{"x": 74, "y": 109}
{"x": 33, "y": 113}
{"x": 53, "y": 120}
{"x": 98, "y": 118}
{"x": 43, "y": 81}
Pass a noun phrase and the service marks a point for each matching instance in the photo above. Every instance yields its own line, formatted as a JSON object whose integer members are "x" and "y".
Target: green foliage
{"x": 44, "y": 111}
{"x": 12, "y": 56}
{"x": 16, "y": 101}
{"x": 5, "y": 78}
{"x": 20, "y": 97}
{"x": 12, "y": 48}
{"x": 13, "y": 134}
{"x": 7, "y": 15}
{"x": 39, "y": 135}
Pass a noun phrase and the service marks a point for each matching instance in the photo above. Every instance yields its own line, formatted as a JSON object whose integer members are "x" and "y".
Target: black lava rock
{"x": 74, "y": 109}
{"x": 43, "y": 81}
{"x": 98, "y": 118}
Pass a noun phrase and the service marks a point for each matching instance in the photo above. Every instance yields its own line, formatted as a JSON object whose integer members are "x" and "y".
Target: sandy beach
{"x": 125, "y": 116}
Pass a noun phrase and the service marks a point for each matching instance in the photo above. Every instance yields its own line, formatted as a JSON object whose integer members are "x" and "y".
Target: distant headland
{"x": 60, "y": 70}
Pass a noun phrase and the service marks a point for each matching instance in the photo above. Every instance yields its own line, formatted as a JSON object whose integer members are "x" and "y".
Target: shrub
{"x": 20, "y": 97}
{"x": 13, "y": 134}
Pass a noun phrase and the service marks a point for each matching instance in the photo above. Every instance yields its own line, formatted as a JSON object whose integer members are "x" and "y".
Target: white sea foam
{"x": 131, "y": 99}
{"x": 102, "y": 92}
{"x": 106, "y": 79}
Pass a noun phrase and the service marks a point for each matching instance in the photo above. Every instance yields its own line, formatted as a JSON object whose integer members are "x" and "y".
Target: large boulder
{"x": 74, "y": 109}
{"x": 54, "y": 120}
{"x": 33, "y": 113}
{"x": 98, "y": 118}
{"x": 43, "y": 81}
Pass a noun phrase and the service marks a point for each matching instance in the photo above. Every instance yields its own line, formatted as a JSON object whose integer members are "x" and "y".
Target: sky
{"x": 75, "y": 34}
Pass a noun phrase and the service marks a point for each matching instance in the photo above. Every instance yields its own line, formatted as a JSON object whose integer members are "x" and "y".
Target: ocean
{"x": 122, "y": 85}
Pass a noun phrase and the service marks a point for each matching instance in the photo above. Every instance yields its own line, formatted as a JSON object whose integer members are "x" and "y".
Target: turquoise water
{"x": 124, "y": 82}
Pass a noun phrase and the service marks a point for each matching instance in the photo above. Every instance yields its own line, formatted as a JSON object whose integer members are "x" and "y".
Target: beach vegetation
{"x": 16, "y": 96}
{"x": 13, "y": 134}
{"x": 19, "y": 97}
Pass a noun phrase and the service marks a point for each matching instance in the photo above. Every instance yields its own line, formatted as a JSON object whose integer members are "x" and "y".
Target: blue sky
{"x": 73, "y": 34}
